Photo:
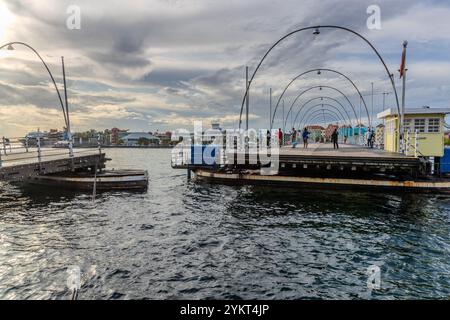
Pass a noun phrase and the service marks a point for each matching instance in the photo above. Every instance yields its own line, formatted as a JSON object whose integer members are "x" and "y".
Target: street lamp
{"x": 9, "y": 46}
{"x": 316, "y": 32}
{"x": 65, "y": 110}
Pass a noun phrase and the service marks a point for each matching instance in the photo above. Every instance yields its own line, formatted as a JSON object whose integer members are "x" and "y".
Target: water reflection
{"x": 189, "y": 240}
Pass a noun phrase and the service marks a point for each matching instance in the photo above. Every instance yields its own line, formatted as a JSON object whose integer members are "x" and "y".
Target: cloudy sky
{"x": 161, "y": 64}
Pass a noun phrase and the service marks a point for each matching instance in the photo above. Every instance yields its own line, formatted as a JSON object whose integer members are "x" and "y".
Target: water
{"x": 182, "y": 240}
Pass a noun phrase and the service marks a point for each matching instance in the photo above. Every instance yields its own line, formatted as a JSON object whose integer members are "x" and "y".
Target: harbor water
{"x": 182, "y": 240}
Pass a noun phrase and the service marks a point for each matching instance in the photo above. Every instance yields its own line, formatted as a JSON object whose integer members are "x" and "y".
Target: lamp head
{"x": 316, "y": 31}
{"x": 10, "y": 47}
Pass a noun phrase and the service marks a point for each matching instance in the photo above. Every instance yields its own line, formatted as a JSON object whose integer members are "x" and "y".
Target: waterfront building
{"x": 315, "y": 132}
{"x": 329, "y": 131}
{"x": 345, "y": 131}
{"x": 139, "y": 139}
{"x": 427, "y": 122}
{"x": 116, "y": 135}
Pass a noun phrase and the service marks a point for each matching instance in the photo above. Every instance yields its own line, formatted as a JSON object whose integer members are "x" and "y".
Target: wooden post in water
{"x": 39, "y": 151}
{"x": 189, "y": 174}
{"x": 4, "y": 145}
{"x": 94, "y": 191}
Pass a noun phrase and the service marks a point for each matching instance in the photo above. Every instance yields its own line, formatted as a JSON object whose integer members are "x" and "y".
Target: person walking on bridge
{"x": 334, "y": 139}
{"x": 280, "y": 137}
{"x": 370, "y": 138}
{"x": 294, "y": 138}
{"x": 305, "y": 136}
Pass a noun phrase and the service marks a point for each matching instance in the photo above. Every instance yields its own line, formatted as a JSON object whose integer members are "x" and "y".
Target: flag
{"x": 402, "y": 64}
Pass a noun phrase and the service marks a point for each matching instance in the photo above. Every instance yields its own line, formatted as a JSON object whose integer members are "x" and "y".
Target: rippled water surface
{"x": 181, "y": 240}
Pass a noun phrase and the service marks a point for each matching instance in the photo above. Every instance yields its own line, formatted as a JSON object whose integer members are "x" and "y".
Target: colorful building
{"x": 315, "y": 132}
{"x": 427, "y": 124}
{"x": 329, "y": 131}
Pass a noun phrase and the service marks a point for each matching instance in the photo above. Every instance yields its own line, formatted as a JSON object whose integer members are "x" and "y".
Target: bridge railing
{"x": 21, "y": 150}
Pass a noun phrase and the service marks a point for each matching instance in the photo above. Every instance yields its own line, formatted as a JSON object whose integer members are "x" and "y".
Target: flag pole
{"x": 402, "y": 112}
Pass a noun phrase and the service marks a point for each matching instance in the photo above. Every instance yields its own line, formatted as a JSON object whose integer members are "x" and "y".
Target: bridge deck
{"x": 322, "y": 156}
{"x": 20, "y": 166}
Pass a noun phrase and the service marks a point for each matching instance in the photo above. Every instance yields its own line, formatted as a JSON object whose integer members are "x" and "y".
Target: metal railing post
{"x": 408, "y": 143}
{"x": 26, "y": 144}
{"x": 401, "y": 144}
{"x": 416, "y": 148}
{"x": 0, "y": 159}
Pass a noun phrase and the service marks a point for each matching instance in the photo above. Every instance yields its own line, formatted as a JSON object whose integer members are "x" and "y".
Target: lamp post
{"x": 10, "y": 47}
{"x": 64, "y": 107}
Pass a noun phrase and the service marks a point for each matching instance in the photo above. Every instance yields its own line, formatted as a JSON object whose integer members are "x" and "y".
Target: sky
{"x": 162, "y": 64}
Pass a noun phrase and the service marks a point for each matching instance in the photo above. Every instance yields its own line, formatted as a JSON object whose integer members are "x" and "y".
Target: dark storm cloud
{"x": 187, "y": 59}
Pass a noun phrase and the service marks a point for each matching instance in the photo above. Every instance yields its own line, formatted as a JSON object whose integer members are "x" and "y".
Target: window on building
{"x": 434, "y": 125}
{"x": 419, "y": 125}
{"x": 407, "y": 125}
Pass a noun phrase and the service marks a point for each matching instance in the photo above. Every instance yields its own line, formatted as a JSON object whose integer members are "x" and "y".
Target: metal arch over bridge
{"x": 321, "y": 98}
{"x": 321, "y": 87}
{"x": 323, "y": 105}
{"x": 319, "y": 70}
{"x": 316, "y": 118}
{"x": 316, "y": 32}
{"x": 322, "y": 112}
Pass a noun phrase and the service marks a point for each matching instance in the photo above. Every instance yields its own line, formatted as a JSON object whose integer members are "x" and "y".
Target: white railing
{"x": 15, "y": 151}
{"x": 408, "y": 143}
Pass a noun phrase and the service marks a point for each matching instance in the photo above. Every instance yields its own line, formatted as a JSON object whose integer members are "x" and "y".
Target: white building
{"x": 140, "y": 138}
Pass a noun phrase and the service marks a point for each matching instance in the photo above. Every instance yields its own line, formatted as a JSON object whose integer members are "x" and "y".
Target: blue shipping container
{"x": 445, "y": 161}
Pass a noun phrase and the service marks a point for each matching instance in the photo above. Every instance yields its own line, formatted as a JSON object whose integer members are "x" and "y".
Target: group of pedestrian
{"x": 294, "y": 137}
{"x": 305, "y": 137}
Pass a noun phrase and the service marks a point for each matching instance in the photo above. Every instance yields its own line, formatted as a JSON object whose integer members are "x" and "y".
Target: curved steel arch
{"x": 321, "y": 112}
{"x": 389, "y": 74}
{"x": 319, "y": 70}
{"x": 48, "y": 70}
{"x": 315, "y": 118}
{"x": 315, "y": 87}
{"x": 317, "y": 113}
{"x": 323, "y": 105}
{"x": 323, "y": 97}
